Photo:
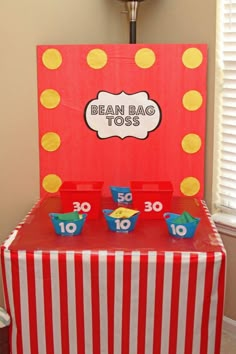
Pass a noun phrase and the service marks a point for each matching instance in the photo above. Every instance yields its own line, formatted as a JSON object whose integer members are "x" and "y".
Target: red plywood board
{"x": 119, "y": 113}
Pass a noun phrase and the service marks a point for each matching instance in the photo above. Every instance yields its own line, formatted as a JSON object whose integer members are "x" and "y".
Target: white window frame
{"x": 224, "y": 217}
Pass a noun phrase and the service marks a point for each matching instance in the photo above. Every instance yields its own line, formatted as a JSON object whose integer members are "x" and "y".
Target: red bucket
{"x": 152, "y": 199}
{"x": 84, "y": 197}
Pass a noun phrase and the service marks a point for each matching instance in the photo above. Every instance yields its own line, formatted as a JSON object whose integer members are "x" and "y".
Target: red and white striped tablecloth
{"x": 118, "y": 300}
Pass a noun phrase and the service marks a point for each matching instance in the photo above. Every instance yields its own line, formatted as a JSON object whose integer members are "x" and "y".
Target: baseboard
{"x": 229, "y": 325}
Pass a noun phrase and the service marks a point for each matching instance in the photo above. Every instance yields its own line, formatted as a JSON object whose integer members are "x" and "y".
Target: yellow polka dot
{"x": 190, "y": 186}
{"x": 52, "y": 59}
{"x": 192, "y": 58}
{"x": 51, "y": 141}
{"x": 97, "y": 58}
{"x": 191, "y": 143}
{"x": 51, "y": 183}
{"x": 192, "y": 100}
{"x": 145, "y": 58}
{"x": 50, "y": 98}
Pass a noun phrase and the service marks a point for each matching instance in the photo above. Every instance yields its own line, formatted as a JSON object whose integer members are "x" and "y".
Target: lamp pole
{"x": 132, "y": 7}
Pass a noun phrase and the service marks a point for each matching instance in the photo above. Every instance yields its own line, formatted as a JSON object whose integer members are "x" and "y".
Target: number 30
{"x": 156, "y": 206}
{"x": 85, "y": 206}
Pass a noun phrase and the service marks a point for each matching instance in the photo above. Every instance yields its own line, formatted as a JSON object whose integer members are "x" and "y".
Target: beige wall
{"x": 26, "y": 23}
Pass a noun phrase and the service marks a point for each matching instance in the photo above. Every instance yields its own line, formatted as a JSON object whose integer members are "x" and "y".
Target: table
{"x": 101, "y": 292}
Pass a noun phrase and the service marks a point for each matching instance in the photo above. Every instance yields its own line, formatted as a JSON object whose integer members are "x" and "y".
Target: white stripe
{"x": 213, "y": 225}
{"x": 213, "y": 304}
{"x": 183, "y": 302}
{"x": 88, "y": 337}
{"x": 103, "y": 301}
{"x": 118, "y": 301}
{"x": 151, "y": 291}
{"x": 56, "y": 316}
{"x": 200, "y": 286}
{"x": 166, "y": 307}
{"x": 24, "y": 306}
{"x": 11, "y": 238}
{"x": 70, "y": 271}
{"x": 39, "y": 294}
{"x": 7, "y": 262}
{"x": 134, "y": 302}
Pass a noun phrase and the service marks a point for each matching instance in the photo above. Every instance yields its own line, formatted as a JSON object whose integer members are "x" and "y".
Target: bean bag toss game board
{"x": 118, "y": 113}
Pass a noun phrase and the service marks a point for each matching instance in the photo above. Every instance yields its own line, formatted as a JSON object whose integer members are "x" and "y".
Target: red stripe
{"x": 32, "y": 303}
{"x": 95, "y": 302}
{"x": 142, "y": 303}
{"x": 207, "y": 302}
{"x": 158, "y": 303}
{"x": 110, "y": 300}
{"x": 4, "y": 280}
{"x": 79, "y": 303}
{"x": 220, "y": 305}
{"x": 175, "y": 303}
{"x": 63, "y": 302}
{"x": 5, "y": 292}
{"x": 47, "y": 302}
{"x": 126, "y": 304}
{"x": 16, "y": 300}
{"x": 191, "y": 302}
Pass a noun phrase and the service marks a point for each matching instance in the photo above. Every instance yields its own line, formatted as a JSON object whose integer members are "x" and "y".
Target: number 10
{"x": 179, "y": 230}
{"x": 122, "y": 224}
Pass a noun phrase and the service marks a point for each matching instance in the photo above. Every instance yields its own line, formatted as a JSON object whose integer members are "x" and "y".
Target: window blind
{"x": 226, "y": 106}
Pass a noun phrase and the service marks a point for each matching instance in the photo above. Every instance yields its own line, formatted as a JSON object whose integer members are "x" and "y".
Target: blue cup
{"x": 65, "y": 227}
{"x": 121, "y": 195}
{"x": 120, "y": 224}
{"x": 180, "y": 230}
